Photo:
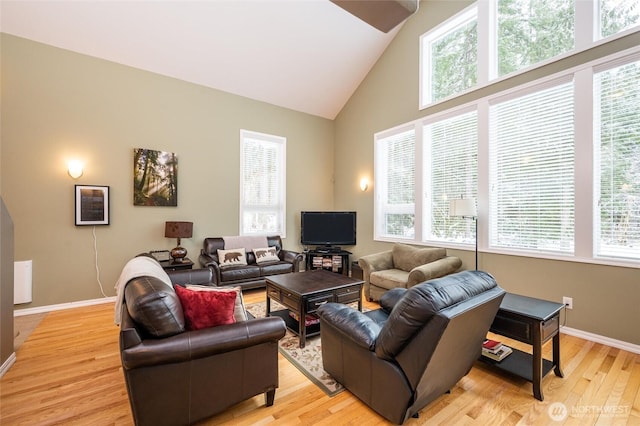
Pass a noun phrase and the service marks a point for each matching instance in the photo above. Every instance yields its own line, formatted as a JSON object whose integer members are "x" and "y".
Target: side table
{"x": 170, "y": 265}
{"x": 532, "y": 321}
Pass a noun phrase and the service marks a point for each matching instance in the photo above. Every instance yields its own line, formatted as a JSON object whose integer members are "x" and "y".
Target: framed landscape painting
{"x": 92, "y": 205}
{"x": 155, "y": 178}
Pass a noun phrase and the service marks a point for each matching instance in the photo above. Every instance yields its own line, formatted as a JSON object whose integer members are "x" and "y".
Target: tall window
{"x": 531, "y": 31}
{"x": 454, "y": 46}
{"x": 395, "y": 185}
{"x": 531, "y": 146}
{"x": 617, "y": 151}
{"x": 450, "y": 171}
{"x": 262, "y": 184}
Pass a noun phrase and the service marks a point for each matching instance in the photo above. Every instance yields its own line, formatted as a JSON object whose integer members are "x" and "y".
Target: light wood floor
{"x": 68, "y": 372}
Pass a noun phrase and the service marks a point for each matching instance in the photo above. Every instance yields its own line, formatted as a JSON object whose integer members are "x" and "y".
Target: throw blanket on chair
{"x": 137, "y": 267}
{"x": 248, "y": 243}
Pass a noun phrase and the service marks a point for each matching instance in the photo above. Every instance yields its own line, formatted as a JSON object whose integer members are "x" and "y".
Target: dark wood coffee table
{"x": 303, "y": 293}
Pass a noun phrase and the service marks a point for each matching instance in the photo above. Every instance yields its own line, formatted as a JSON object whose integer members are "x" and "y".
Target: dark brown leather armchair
{"x": 422, "y": 341}
{"x": 177, "y": 377}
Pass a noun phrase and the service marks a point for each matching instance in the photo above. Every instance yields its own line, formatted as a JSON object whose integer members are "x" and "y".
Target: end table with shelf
{"x": 171, "y": 265}
{"x": 532, "y": 321}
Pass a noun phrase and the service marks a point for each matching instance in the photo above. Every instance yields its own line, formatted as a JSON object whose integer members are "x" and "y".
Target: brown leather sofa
{"x": 414, "y": 349}
{"x": 250, "y": 275}
{"x": 177, "y": 377}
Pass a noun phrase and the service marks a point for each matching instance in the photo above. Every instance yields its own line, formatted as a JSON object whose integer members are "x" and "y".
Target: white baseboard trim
{"x": 7, "y": 364}
{"x": 626, "y": 346}
{"x": 61, "y": 306}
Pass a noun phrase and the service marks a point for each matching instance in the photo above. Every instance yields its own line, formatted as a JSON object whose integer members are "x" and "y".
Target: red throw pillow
{"x": 203, "y": 309}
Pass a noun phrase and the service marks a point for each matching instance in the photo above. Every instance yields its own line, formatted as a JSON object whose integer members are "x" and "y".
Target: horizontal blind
{"x": 532, "y": 171}
{"x": 262, "y": 185}
{"x": 617, "y": 137}
{"x": 395, "y": 185}
{"x": 451, "y": 171}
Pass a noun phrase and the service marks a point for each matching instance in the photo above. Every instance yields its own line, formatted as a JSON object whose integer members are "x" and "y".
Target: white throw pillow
{"x": 264, "y": 255}
{"x": 239, "y": 311}
{"x": 233, "y": 257}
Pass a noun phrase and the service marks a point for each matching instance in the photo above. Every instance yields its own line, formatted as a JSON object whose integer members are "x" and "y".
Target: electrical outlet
{"x": 568, "y": 302}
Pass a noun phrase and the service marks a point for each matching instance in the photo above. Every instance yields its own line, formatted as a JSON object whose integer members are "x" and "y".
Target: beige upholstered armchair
{"x": 404, "y": 266}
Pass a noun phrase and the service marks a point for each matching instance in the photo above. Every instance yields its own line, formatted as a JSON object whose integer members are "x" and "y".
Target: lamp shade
{"x": 178, "y": 229}
{"x": 463, "y": 207}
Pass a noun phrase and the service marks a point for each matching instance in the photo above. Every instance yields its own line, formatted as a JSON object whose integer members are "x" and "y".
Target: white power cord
{"x": 95, "y": 249}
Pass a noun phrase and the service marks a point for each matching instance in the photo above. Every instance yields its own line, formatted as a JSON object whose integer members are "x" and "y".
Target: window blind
{"x": 450, "y": 171}
{"x": 532, "y": 171}
{"x": 617, "y": 177}
{"x": 395, "y": 185}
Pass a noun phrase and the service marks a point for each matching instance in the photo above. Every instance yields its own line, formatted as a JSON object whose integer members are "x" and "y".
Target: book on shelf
{"x": 310, "y": 319}
{"x": 501, "y": 353}
{"x": 491, "y": 344}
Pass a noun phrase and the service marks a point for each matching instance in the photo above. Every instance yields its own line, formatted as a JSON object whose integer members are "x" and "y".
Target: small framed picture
{"x": 92, "y": 205}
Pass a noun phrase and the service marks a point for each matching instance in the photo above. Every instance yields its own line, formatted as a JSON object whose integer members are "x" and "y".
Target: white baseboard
{"x": 61, "y": 306}
{"x": 7, "y": 364}
{"x": 626, "y": 346}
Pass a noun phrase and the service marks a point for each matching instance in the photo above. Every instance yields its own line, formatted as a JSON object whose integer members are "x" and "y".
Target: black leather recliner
{"x": 422, "y": 341}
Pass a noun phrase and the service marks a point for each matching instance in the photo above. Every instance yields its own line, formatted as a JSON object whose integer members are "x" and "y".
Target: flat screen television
{"x": 328, "y": 228}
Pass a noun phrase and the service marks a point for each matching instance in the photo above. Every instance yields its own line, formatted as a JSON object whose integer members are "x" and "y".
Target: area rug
{"x": 308, "y": 359}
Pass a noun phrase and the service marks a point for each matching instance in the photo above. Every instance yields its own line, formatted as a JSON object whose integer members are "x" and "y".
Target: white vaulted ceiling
{"x": 306, "y": 55}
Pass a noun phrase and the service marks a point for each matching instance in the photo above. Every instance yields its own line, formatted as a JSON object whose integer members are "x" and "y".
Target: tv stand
{"x": 329, "y": 258}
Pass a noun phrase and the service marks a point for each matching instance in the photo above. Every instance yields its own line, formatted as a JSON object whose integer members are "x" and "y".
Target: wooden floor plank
{"x": 68, "y": 372}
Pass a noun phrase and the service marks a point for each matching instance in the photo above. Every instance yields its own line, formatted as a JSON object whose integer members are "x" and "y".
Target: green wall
{"x": 58, "y": 105}
{"x": 605, "y": 297}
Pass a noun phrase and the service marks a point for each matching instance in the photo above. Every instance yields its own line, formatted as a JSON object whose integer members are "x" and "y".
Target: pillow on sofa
{"x": 406, "y": 257}
{"x": 154, "y": 306}
{"x": 203, "y": 309}
{"x": 264, "y": 255}
{"x": 239, "y": 310}
{"x": 232, "y": 257}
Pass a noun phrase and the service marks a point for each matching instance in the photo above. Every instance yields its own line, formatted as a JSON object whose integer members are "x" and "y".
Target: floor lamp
{"x": 465, "y": 208}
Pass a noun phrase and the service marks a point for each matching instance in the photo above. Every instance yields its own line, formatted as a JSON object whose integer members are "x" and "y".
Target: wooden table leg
{"x": 537, "y": 363}
{"x": 556, "y": 355}
{"x": 302, "y": 329}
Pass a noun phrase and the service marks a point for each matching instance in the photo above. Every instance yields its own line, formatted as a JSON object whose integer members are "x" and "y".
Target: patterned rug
{"x": 308, "y": 359}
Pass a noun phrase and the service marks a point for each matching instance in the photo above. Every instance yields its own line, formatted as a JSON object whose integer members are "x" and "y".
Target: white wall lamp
{"x": 465, "y": 208}
{"x": 364, "y": 184}
{"x": 75, "y": 168}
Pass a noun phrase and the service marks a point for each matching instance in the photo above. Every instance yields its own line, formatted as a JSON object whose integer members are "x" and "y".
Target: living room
{"x": 58, "y": 105}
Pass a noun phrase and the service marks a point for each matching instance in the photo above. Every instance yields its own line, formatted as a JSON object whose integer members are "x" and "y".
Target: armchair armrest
{"x": 350, "y": 322}
{"x": 439, "y": 268}
{"x": 198, "y": 344}
{"x": 291, "y": 257}
{"x": 376, "y": 262}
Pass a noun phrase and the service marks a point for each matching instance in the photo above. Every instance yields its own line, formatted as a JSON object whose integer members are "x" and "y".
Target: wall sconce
{"x": 74, "y": 168}
{"x": 364, "y": 184}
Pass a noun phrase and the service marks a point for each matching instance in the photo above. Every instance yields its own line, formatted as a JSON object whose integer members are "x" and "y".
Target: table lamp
{"x": 178, "y": 230}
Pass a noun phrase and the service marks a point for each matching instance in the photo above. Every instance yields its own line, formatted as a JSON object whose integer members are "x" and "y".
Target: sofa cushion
{"x": 233, "y": 257}
{"x": 204, "y": 309}
{"x": 389, "y": 278}
{"x": 239, "y": 310}
{"x": 236, "y": 273}
{"x": 276, "y": 268}
{"x": 266, "y": 255}
{"x": 407, "y": 257}
{"x": 154, "y": 306}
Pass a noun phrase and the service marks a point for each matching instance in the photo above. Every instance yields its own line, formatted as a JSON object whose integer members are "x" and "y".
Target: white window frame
{"x": 279, "y": 143}
{"x": 584, "y": 146}
{"x": 586, "y": 36}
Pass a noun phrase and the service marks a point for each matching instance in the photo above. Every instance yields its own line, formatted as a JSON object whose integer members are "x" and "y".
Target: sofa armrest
{"x": 291, "y": 257}
{"x": 206, "y": 261}
{"x": 376, "y": 262}
{"x": 439, "y": 268}
{"x": 203, "y": 343}
{"x": 350, "y": 322}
